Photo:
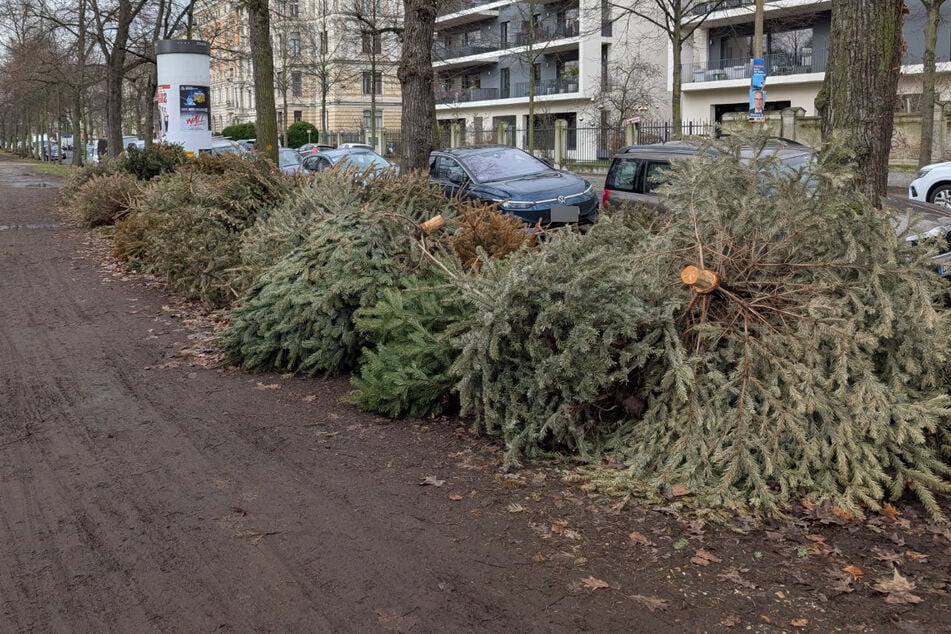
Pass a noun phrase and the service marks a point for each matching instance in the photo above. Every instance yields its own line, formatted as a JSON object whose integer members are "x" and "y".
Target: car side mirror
{"x": 457, "y": 178}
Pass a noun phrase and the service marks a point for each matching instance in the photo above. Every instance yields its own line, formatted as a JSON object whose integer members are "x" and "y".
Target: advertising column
{"x": 184, "y": 100}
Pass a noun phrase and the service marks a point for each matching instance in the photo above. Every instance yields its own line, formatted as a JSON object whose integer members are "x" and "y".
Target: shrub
{"x": 285, "y": 227}
{"x": 483, "y": 231}
{"x": 103, "y": 199}
{"x": 77, "y": 178}
{"x": 240, "y": 131}
{"x": 298, "y": 314}
{"x": 297, "y": 133}
{"x": 813, "y": 368}
{"x": 192, "y": 222}
{"x": 405, "y": 369}
{"x": 145, "y": 164}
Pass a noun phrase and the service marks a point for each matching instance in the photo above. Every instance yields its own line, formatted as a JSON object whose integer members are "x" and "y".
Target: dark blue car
{"x": 521, "y": 184}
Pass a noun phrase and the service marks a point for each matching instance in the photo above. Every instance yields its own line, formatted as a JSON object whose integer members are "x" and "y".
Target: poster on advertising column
{"x": 162, "y": 99}
{"x": 194, "y": 108}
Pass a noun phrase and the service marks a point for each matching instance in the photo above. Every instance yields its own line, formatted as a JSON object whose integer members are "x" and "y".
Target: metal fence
{"x": 593, "y": 146}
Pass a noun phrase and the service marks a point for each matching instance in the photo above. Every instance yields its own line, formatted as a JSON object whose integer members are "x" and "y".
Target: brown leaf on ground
{"x": 855, "y": 572}
{"x": 735, "y": 575}
{"x": 640, "y": 538}
{"x": 559, "y": 527}
{"x": 841, "y": 580}
{"x": 884, "y": 555}
{"x": 267, "y": 386}
{"x": 799, "y": 622}
{"x": 916, "y": 556}
{"x": 455, "y": 497}
{"x": 679, "y": 490}
{"x": 704, "y": 558}
{"x": 310, "y": 398}
{"x": 651, "y": 603}
{"x": 890, "y": 512}
{"x": 897, "y": 588}
{"x": 511, "y": 481}
{"x": 591, "y": 583}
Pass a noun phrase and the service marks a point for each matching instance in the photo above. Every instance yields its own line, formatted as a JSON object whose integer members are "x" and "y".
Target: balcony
{"x": 564, "y": 85}
{"x": 567, "y": 30}
{"x": 777, "y": 64}
{"x": 467, "y": 95}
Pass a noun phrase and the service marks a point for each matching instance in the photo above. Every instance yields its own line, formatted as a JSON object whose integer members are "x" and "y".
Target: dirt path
{"x": 142, "y": 489}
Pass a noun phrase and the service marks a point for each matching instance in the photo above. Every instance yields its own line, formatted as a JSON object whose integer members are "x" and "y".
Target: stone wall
{"x": 792, "y": 123}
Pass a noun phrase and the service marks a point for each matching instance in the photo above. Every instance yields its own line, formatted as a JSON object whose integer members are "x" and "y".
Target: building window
{"x": 366, "y": 118}
{"x": 375, "y": 85}
{"x": 295, "y": 44}
{"x": 536, "y": 73}
{"x": 298, "y": 116}
{"x": 324, "y": 47}
{"x": 297, "y": 89}
{"x": 293, "y": 8}
{"x": 372, "y": 43}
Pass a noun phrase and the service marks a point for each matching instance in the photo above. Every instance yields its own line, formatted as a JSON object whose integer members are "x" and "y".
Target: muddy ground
{"x": 143, "y": 487}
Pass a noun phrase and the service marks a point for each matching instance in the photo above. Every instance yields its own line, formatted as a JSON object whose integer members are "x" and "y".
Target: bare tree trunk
{"x": 262, "y": 58}
{"x": 676, "y": 113}
{"x": 861, "y": 83}
{"x": 933, "y": 7}
{"x": 416, "y": 80}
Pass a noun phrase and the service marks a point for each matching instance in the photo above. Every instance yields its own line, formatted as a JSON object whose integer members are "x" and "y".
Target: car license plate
{"x": 564, "y": 213}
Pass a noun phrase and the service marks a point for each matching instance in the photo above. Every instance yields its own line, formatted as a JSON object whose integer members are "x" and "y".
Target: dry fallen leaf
{"x": 704, "y": 558}
{"x": 310, "y": 398}
{"x": 594, "y": 584}
{"x": 455, "y": 497}
{"x": 897, "y": 588}
{"x": 730, "y": 620}
{"x": 799, "y": 622}
{"x": 890, "y": 511}
{"x": 679, "y": 490}
{"x": 855, "y": 572}
{"x": 515, "y": 507}
{"x": 432, "y": 481}
{"x": 267, "y": 386}
{"x": 916, "y": 556}
{"x": 640, "y": 539}
{"x": 559, "y": 527}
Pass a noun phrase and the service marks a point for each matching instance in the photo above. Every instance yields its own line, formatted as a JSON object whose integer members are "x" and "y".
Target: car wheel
{"x": 941, "y": 195}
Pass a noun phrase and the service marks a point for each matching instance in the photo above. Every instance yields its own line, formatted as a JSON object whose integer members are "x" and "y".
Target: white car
{"x": 932, "y": 184}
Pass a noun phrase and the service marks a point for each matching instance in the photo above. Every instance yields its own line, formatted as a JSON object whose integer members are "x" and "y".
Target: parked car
{"x": 932, "y": 184}
{"x": 637, "y": 170}
{"x": 350, "y": 146}
{"x": 223, "y": 145}
{"x": 521, "y": 184}
{"x": 289, "y": 160}
{"x": 313, "y": 148}
{"x": 359, "y": 158}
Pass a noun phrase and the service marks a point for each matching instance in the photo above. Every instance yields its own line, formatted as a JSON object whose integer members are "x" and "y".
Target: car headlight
{"x": 921, "y": 173}
{"x": 517, "y": 204}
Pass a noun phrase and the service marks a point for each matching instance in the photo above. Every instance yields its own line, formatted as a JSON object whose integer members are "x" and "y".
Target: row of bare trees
{"x": 59, "y": 52}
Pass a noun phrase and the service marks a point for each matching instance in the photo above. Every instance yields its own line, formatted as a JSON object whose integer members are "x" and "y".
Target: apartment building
{"x": 334, "y": 63}
{"x": 716, "y": 68}
{"x": 568, "y": 58}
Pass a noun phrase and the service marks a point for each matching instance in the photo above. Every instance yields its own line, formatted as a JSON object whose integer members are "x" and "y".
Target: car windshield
{"x": 502, "y": 164}
{"x": 364, "y": 160}
{"x": 288, "y": 157}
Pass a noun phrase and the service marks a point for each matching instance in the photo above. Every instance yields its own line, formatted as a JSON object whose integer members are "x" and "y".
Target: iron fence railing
{"x": 584, "y": 146}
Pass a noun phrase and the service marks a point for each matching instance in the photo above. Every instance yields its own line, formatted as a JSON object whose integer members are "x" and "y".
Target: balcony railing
{"x": 467, "y": 95}
{"x": 442, "y": 52}
{"x": 813, "y": 61}
{"x": 548, "y": 87}
{"x": 720, "y": 5}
